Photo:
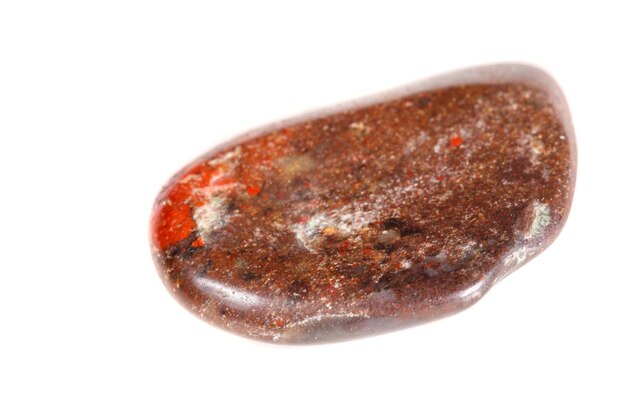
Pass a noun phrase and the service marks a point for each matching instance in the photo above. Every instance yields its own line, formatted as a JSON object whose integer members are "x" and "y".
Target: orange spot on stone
{"x": 456, "y": 141}
{"x": 439, "y": 178}
{"x": 253, "y": 190}
{"x": 198, "y": 242}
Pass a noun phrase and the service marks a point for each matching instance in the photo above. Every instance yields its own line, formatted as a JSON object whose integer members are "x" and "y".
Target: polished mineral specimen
{"x": 391, "y": 212}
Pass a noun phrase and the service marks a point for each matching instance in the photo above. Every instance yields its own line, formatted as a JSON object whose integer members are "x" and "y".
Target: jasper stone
{"x": 383, "y": 214}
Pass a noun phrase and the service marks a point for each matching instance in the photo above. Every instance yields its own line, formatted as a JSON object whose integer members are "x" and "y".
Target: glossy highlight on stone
{"x": 397, "y": 210}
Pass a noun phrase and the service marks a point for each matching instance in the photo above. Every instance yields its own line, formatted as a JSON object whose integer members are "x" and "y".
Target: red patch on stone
{"x": 456, "y": 141}
{"x": 253, "y": 190}
{"x": 198, "y": 242}
{"x": 344, "y": 246}
{"x": 172, "y": 218}
{"x": 172, "y": 223}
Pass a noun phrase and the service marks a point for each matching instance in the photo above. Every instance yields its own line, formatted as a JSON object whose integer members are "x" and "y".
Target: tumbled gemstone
{"x": 398, "y": 210}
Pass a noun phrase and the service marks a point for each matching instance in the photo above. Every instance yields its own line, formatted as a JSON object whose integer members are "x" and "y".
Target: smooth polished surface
{"x": 395, "y": 211}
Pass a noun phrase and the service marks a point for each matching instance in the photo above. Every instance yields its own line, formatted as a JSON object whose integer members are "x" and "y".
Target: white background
{"x": 100, "y": 102}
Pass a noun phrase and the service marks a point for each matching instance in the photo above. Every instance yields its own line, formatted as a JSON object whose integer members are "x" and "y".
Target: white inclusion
{"x": 348, "y": 219}
{"x": 190, "y": 177}
{"x": 321, "y": 317}
{"x": 345, "y": 220}
{"x": 228, "y": 157}
{"x": 413, "y": 143}
{"x": 211, "y": 216}
{"x": 469, "y": 246}
{"x": 306, "y": 232}
{"x": 540, "y": 222}
{"x": 233, "y": 297}
{"x": 214, "y": 214}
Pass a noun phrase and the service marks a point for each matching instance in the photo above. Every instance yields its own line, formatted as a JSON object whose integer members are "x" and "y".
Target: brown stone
{"x": 398, "y": 210}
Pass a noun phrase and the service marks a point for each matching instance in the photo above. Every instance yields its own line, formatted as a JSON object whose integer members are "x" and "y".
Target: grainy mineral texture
{"x": 401, "y": 209}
